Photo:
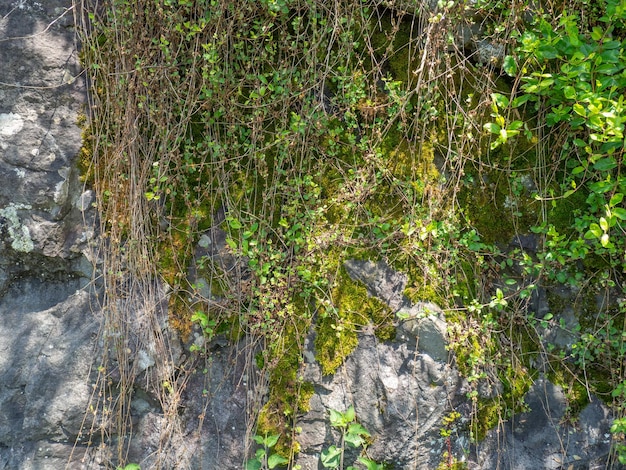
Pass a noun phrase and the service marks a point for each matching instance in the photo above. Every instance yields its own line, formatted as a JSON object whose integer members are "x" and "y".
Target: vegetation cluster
{"x": 328, "y": 131}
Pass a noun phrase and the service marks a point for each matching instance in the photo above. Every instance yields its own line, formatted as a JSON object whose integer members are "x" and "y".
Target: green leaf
{"x": 356, "y": 428}
{"x": 350, "y": 414}
{"x": 597, "y": 33}
{"x": 234, "y": 223}
{"x": 274, "y": 460}
{"x": 616, "y": 199}
{"x": 604, "y": 241}
{"x": 510, "y": 66}
{"x": 331, "y": 457}
{"x": 594, "y": 231}
{"x": 601, "y": 187}
{"x": 371, "y": 464}
{"x": 548, "y": 82}
{"x": 253, "y": 464}
{"x": 619, "y": 213}
{"x": 569, "y": 92}
{"x": 579, "y": 109}
{"x": 605, "y": 164}
{"x": 604, "y": 225}
{"x": 271, "y": 440}
{"x": 354, "y": 440}
{"x": 336, "y": 419}
{"x": 520, "y": 100}
{"x": 500, "y": 100}
{"x": 492, "y": 127}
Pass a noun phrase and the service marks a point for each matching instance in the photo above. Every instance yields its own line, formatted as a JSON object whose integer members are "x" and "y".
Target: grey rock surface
{"x": 542, "y": 439}
{"x": 48, "y": 329}
{"x": 380, "y": 281}
{"x": 400, "y": 397}
{"x": 424, "y": 323}
{"x": 211, "y": 430}
{"x": 47, "y": 342}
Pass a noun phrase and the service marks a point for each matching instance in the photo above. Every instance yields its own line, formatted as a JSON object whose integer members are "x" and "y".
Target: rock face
{"x": 400, "y": 396}
{"x": 407, "y": 393}
{"x": 541, "y": 439}
{"x": 47, "y": 326}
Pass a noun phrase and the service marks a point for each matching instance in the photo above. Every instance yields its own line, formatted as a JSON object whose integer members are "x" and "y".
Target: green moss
{"x": 493, "y": 209}
{"x": 420, "y": 289}
{"x": 338, "y": 324}
{"x": 289, "y": 395}
{"x": 394, "y": 37}
{"x": 562, "y": 211}
{"x": 516, "y": 380}
{"x": 575, "y": 392}
{"x": 488, "y": 416}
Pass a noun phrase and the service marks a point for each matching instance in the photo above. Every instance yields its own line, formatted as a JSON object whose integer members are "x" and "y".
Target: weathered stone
{"x": 542, "y": 439}
{"x": 47, "y": 322}
{"x": 380, "y": 281}
{"x": 400, "y": 397}
{"x": 47, "y": 343}
{"x": 424, "y": 322}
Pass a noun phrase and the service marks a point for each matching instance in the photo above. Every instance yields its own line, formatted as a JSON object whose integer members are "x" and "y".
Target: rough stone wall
{"x": 47, "y": 325}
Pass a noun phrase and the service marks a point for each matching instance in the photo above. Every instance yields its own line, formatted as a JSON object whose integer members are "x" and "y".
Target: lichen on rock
{"x": 19, "y": 233}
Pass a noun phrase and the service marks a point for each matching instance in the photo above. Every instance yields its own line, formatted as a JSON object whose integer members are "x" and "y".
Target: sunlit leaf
{"x": 492, "y": 127}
